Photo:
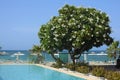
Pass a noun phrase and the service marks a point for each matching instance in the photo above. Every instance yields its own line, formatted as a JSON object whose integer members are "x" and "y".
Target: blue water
{"x": 32, "y": 72}
{"x": 48, "y": 57}
{"x": 9, "y": 54}
{"x": 25, "y": 57}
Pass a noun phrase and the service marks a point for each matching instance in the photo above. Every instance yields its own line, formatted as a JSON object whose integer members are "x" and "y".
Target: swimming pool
{"x": 32, "y": 72}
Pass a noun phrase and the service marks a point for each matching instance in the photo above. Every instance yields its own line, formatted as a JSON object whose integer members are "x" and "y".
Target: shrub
{"x": 98, "y": 71}
{"x": 58, "y": 64}
{"x": 81, "y": 64}
{"x": 115, "y": 76}
{"x": 110, "y": 75}
{"x": 83, "y": 69}
{"x": 70, "y": 66}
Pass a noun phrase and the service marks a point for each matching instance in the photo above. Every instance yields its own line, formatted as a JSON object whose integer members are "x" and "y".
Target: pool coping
{"x": 72, "y": 73}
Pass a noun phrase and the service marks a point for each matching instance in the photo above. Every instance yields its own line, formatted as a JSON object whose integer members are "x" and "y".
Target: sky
{"x": 20, "y": 20}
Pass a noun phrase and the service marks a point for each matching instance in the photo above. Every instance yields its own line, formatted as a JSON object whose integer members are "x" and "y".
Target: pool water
{"x": 32, "y": 72}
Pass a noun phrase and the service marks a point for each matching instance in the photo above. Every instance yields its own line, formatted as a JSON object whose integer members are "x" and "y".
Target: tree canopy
{"x": 36, "y": 51}
{"x": 76, "y": 29}
{"x": 112, "y": 49}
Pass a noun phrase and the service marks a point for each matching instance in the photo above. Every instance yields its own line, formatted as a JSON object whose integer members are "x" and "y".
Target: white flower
{"x": 97, "y": 32}
{"x": 83, "y": 26}
{"x": 83, "y": 43}
{"x": 103, "y": 21}
{"x": 61, "y": 14}
{"x": 100, "y": 26}
{"x": 78, "y": 26}
{"x": 73, "y": 19}
{"x": 63, "y": 34}
{"x": 98, "y": 41}
{"x": 75, "y": 32}
{"x": 48, "y": 46}
{"x": 48, "y": 36}
{"x": 107, "y": 15}
{"x": 91, "y": 13}
{"x": 104, "y": 35}
{"x": 108, "y": 39}
{"x": 73, "y": 36}
{"x": 52, "y": 28}
{"x": 86, "y": 9}
{"x": 92, "y": 35}
{"x": 91, "y": 29}
{"x": 55, "y": 39}
{"x": 70, "y": 39}
{"x": 88, "y": 33}
{"x": 94, "y": 42}
{"x": 69, "y": 24}
{"x": 55, "y": 32}
{"x": 83, "y": 30}
{"x": 53, "y": 48}
{"x": 73, "y": 44}
{"x": 77, "y": 39}
{"x": 97, "y": 18}
{"x": 73, "y": 10}
{"x": 65, "y": 8}
{"x": 43, "y": 49}
{"x": 62, "y": 24}
{"x": 90, "y": 19}
{"x": 107, "y": 33}
{"x": 56, "y": 35}
{"x": 71, "y": 15}
{"x": 59, "y": 19}
{"x": 57, "y": 26}
{"x": 48, "y": 41}
{"x": 81, "y": 16}
{"x": 106, "y": 28}
{"x": 74, "y": 23}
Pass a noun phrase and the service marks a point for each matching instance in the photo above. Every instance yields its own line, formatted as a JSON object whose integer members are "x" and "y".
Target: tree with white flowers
{"x": 76, "y": 29}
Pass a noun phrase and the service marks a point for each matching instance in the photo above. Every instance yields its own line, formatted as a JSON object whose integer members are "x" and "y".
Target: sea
{"x": 99, "y": 55}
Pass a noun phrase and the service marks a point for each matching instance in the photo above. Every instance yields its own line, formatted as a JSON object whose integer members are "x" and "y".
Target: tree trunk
{"x": 54, "y": 57}
{"x": 74, "y": 63}
{"x": 57, "y": 59}
{"x": 73, "y": 57}
{"x": 114, "y": 55}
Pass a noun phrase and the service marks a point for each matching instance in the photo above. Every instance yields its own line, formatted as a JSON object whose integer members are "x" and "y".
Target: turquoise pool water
{"x": 32, "y": 72}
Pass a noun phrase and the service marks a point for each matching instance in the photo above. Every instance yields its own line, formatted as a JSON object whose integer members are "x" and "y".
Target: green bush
{"x": 108, "y": 75}
{"x": 98, "y": 71}
{"x": 111, "y": 75}
{"x": 81, "y": 64}
{"x": 70, "y": 66}
{"x": 83, "y": 69}
{"x": 58, "y": 64}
